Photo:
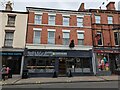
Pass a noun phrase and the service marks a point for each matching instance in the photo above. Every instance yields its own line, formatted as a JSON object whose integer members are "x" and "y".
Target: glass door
{"x": 62, "y": 66}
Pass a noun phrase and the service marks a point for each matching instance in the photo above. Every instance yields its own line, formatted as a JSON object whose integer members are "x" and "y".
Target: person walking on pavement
{"x": 4, "y": 72}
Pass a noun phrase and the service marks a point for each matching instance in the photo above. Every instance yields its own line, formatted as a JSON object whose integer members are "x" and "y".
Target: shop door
{"x": 15, "y": 66}
{"x": 62, "y": 66}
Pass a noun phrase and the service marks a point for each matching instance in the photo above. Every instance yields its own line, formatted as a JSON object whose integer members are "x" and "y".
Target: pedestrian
{"x": 8, "y": 71}
{"x": 4, "y": 72}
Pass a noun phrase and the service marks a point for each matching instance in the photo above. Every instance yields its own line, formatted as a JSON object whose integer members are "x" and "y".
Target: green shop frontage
{"x": 46, "y": 62}
{"x": 13, "y": 60}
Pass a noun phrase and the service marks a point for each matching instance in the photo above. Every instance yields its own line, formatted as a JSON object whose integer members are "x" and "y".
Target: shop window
{"x": 51, "y": 37}
{"x": 43, "y": 65}
{"x": 51, "y": 20}
{"x": 110, "y": 20}
{"x": 9, "y": 39}
{"x": 37, "y": 36}
{"x": 66, "y": 38}
{"x": 103, "y": 63}
{"x": 66, "y": 21}
{"x": 116, "y": 38}
{"x": 80, "y": 38}
{"x": 97, "y": 19}
{"x": 38, "y": 19}
{"x": 11, "y": 20}
{"x": 80, "y": 22}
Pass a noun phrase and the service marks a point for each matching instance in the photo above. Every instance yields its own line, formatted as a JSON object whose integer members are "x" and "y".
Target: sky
{"x": 20, "y": 5}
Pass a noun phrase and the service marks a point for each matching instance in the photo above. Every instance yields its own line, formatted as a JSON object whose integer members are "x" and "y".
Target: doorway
{"x": 62, "y": 67}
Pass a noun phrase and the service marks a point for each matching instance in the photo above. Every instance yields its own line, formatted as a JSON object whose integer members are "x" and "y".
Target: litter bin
{"x": 25, "y": 74}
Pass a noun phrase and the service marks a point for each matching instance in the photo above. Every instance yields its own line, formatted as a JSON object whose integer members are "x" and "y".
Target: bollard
{"x": 69, "y": 73}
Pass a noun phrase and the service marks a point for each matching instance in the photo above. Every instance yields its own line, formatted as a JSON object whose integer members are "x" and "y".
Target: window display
{"x": 40, "y": 65}
{"x": 103, "y": 63}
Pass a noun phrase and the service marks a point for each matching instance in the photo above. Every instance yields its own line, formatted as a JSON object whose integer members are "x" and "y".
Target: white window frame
{"x": 36, "y": 22}
{"x": 111, "y": 21}
{"x": 7, "y": 39}
{"x": 80, "y": 32}
{"x": 64, "y": 22}
{"x": 49, "y": 20}
{"x": 97, "y": 19}
{"x": 39, "y": 30}
{"x": 79, "y": 23}
{"x": 51, "y": 30}
{"x": 66, "y": 31}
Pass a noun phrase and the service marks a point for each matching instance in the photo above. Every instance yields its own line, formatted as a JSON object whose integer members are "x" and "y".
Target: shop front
{"x": 46, "y": 62}
{"x": 108, "y": 61}
{"x": 12, "y": 60}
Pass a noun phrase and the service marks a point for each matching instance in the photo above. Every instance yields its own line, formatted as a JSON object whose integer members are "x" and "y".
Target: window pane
{"x": 66, "y": 35}
{"x": 51, "y": 37}
{"x": 80, "y": 22}
{"x": 11, "y": 20}
{"x": 37, "y": 37}
{"x": 80, "y": 42}
{"x": 66, "y": 21}
{"x": 51, "y": 34}
{"x": 80, "y": 35}
{"x": 97, "y": 19}
{"x": 110, "y": 20}
{"x": 9, "y": 39}
{"x": 116, "y": 38}
{"x": 65, "y": 41}
{"x": 51, "y": 20}
{"x": 99, "y": 38}
{"x": 38, "y": 19}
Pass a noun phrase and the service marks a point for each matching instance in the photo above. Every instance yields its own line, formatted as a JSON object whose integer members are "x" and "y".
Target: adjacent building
{"x": 13, "y": 26}
{"x": 105, "y": 29}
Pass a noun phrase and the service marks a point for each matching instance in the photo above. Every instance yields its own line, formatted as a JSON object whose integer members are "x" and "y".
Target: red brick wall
{"x": 58, "y": 33}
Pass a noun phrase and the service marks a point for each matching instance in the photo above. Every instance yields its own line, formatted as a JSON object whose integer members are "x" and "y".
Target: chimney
{"x": 110, "y": 6}
{"x": 81, "y": 8}
{"x": 8, "y": 6}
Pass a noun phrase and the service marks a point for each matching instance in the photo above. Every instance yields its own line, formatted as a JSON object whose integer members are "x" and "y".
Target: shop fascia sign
{"x": 107, "y": 51}
{"x": 46, "y": 53}
{"x": 10, "y": 53}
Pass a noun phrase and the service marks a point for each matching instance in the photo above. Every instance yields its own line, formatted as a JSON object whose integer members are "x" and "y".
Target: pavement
{"x": 16, "y": 80}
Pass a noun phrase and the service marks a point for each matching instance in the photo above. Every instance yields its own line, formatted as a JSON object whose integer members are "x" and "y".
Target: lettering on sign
{"x": 46, "y": 53}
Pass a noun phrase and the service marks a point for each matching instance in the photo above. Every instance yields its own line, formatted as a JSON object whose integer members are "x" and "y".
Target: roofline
{"x": 14, "y": 12}
{"x": 90, "y": 10}
{"x": 52, "y": 9}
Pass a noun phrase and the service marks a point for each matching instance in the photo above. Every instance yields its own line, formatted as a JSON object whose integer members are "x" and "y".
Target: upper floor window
{"x": 116, "y": 37}
{"x": 9, "y": 39}
{"x": 80, "y": 22}
{"x": 38, "y": 19}
{"x": 97, "y": 19}
{"x": 80, "y": 38}
{"x": 66, "y": 21}
{"x": 51, "y": 37}
{"x": 99, "y": 38}
{"x": 37, "y": 36}
{"x": 110, "y": 20}
{"x": 11, "y": 20}
{"x": 66, "y": 38}
{"x": 51, "y": 20}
